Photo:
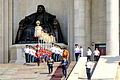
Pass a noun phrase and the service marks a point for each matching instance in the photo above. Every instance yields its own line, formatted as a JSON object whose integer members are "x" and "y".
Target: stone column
{"x": 10, "y": 26}
{"x": 82, "y": 12}
{"x": 1, "y": 32}
{"x": 87, "y": 27}
{"x": 70, "y": 19}
{"x": 10, "y": 19}
{"x": 5, "y": 30}
{"x": 79, "y": 22}
{"x": 112, "y": 47}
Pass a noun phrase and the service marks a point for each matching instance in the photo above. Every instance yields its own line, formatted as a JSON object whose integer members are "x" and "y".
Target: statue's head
{"x": 40, "y": 9}
{"x": 56, "y": 23}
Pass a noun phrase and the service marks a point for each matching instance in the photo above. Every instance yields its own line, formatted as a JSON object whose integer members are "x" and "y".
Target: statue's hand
{"x": 20, "y": 25}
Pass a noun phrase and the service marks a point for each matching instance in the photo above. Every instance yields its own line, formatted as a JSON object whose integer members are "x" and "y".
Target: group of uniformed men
{"x": 54, "y": 54}
{"x": 55, "y": 51}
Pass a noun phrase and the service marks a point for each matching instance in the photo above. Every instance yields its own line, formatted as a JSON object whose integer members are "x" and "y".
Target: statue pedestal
{"x": 17, "y": 54}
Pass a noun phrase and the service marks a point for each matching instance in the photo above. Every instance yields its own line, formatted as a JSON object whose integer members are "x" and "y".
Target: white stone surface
{"x": 106, "y": 68}
{"x": 79, "y": 70}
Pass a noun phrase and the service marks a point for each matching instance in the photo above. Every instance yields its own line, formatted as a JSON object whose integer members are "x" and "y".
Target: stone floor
{"x": 29, "y": 71}
{"x": 32, "y": 71}
{"x": 25, "y": 72}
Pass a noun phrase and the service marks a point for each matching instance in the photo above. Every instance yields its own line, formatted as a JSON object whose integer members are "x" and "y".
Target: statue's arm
{"x": 23, "y": 22}
{"x": 27, "y": 20}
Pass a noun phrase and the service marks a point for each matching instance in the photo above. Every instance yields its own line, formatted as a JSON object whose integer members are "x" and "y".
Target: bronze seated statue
{"x": 49, "y": 24}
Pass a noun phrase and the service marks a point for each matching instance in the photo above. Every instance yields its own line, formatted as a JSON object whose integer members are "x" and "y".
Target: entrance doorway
{"x": 101, "y": 48}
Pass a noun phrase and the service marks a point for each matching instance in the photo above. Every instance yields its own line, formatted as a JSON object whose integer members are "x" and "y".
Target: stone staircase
{"x": 79, "y": 71}
{"x": 29, "y": 71}
{"x": 105, "y": 69}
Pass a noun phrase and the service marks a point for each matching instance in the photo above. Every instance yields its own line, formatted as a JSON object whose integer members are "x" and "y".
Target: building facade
{"x": 88, "y": 22}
